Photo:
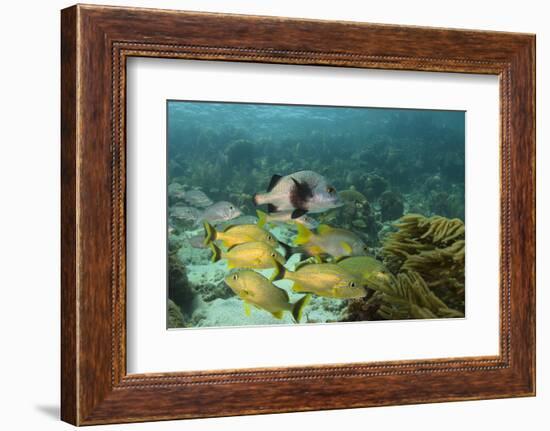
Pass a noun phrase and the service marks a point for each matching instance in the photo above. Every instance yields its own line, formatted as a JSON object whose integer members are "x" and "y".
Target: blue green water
{"x": 383, "y": 162}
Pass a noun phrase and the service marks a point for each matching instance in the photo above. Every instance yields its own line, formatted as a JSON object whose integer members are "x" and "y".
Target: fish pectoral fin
{"x": 347, "y": 248}
{"x": 246, "y": 306}
{"x": 297, "y": 213}
{"x": 273, "y": 182}
{"x": 278, "y": 314}
{"x": 245, "y": 294}
{"x": 301, "y": 264}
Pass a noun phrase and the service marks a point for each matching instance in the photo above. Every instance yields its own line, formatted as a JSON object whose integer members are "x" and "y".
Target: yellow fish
{"x": 255, "y": 289}
{"x": 324, "y": 279}
{"x": 330, "y": 240}
{"x": 285, "y": 217}
{"x": 238, "y": 234}
{"x": 364, "y": 267}
{"x": 255, "y": 254}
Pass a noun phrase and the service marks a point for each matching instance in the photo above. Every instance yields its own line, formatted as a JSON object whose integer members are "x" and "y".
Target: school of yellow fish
{"x": 337, "y": 265}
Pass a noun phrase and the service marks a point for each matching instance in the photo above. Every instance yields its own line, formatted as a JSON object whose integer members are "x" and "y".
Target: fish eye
{"x": 330, "y": 189}
{"x": 269, "y": 238}
{"x": 235, "y": 277}
{"x": 272, "y": 254}
{"x": 230, "y": 207}
{"x": 352, "y": 284}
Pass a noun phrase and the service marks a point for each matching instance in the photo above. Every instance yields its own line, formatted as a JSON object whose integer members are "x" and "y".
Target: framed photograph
{"x": 322, "y": 214}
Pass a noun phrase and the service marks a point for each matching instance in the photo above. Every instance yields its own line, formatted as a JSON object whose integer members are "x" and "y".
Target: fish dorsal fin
{"x": 347, "y": 248}
{"x": 231, "y": 248}
{"x": 323, "y": 229}
{"x": 318, "y": 258}
{"x": 273, "y": 182}
{"x": 301, "y": 265}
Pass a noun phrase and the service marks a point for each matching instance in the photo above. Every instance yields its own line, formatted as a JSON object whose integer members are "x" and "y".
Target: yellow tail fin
{"x": 304, "y": 234}
{"x": 262, "y": 218}
{"x": 209, "y": 233}
{"x": 216, "y": 252}
{"x": 299, "y": 306}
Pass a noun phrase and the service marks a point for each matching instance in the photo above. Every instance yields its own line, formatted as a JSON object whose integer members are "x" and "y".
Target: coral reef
{"x": 434, "y": 248}
{"x": 240, "y": 153}
{"x": 174, "y": 316}
{"x": 407, "y": 296}
{"x": 374, "y": 186}
{"x": 208, "y": 283}
{"x": 179, "y": 289}
{"x": 391, "y": 205}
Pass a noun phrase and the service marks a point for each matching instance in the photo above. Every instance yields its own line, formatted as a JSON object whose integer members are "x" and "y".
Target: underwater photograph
{"x": 298, "y": 214}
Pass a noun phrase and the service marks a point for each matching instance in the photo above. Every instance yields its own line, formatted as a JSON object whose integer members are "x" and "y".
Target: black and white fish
{"x": 299, "y": 193}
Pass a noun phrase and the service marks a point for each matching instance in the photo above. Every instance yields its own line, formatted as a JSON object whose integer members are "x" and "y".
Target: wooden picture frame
{"x": 96, "y": 41}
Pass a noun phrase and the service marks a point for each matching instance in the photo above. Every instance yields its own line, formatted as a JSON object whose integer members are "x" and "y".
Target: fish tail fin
{"x": 216, "y": 252}
{"x": 298, "y": 307}
{"x": 304, "y": 234}
{"x": 279, "y": 272}
{"x": 262, "y": 218}
{"x": 289, "y": 250}
{"x": 209, "y": 233}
